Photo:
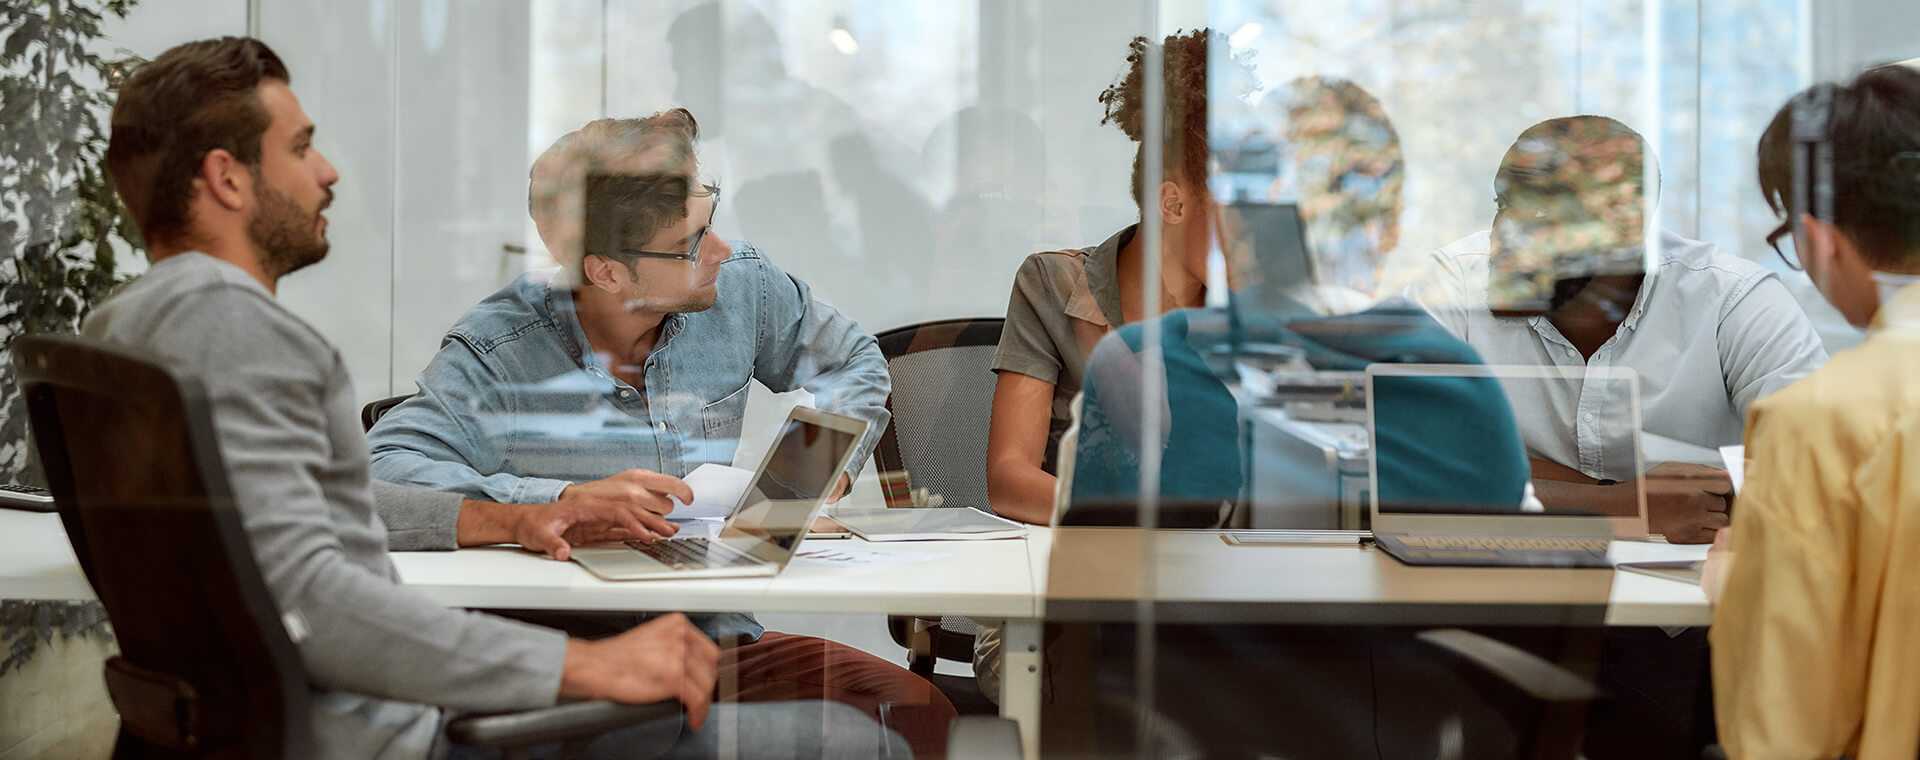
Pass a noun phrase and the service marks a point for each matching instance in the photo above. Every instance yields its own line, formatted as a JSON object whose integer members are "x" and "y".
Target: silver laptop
{"x": 1419, "y": 527}
{"x": 760, "y": 535}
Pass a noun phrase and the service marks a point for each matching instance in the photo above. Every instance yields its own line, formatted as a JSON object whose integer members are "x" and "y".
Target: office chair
{"x": 942, "y": 403}
{"x": 374, "y": 410}
{"x": 206, "y": 667}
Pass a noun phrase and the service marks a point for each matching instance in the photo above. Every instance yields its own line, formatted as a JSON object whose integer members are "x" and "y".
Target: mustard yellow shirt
{"x": 1816, "y": 637}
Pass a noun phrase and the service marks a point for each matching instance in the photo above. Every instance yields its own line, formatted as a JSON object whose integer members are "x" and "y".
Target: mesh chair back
{"x": 206, "y": 667}
{"x": 942, "y": 403}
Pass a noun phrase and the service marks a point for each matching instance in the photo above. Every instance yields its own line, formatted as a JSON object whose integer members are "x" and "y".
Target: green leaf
{"x": 17, "y": 42}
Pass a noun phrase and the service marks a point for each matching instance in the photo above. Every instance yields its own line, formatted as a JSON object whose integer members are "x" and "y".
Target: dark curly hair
{"x": 1184, "y": 138}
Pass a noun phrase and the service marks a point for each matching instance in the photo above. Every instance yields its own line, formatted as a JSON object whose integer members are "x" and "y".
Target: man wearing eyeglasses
{"x": 609, "y": 378}
{"x": 1565, "y": 278}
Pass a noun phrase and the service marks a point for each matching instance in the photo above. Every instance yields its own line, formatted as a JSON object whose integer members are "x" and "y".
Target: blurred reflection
{"x": 632, "y": 361}
{"x": 1289, "y": 351}
{"x": 1568, "y": 277}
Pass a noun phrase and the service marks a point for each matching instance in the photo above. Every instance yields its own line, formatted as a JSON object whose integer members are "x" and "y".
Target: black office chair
{"x": 206, "y": 668}
{"x": 374, "y": 410}
{"x": 942, "y": 403}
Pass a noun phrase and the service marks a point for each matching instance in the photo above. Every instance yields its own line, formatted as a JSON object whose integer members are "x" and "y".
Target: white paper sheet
{"x": 851, "y": 553}
{"x": 716, "y": 489}
{"x": 1736, "y": 459}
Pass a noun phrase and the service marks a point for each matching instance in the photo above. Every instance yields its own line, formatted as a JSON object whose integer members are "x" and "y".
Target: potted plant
{"x": 63, "y": 231}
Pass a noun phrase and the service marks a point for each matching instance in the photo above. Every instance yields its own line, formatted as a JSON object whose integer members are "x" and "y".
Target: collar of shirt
{"x": 561, "y": 309}
{"x": 1902, "y": 313}
{"x": 1103, "y": 284}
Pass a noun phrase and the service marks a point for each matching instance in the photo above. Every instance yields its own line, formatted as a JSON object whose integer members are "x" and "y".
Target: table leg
{"x": 1020, "y": 681}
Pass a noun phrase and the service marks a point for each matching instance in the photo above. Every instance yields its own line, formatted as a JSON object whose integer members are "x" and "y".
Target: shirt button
{"x": 626, "y": 394}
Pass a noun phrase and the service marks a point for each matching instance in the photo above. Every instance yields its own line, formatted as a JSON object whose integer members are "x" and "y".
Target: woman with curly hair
{"x": 1065, "y": 301}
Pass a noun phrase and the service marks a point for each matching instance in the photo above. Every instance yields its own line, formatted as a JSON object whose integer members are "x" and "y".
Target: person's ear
{"x": 1174, "y": 205}
{"x": 603, "y": 273}
{"x": 225, "y": 180}
{"x": 1818, "y": 242}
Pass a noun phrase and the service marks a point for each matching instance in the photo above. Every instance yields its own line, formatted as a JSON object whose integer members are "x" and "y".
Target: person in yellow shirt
{"x": 1816, "y": 635}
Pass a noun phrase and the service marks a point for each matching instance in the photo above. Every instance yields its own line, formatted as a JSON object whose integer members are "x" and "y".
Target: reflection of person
{"x": 1064, "y": 301}
{"x": 640, "y": 349}
{"x": 1562, "y": 279}
{"x": 1349, "y": 168}
{"x": 214, "y": 157}
{"x": 1813, "y": 635}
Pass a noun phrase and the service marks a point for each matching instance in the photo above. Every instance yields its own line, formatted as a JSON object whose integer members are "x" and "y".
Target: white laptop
{"x": 1421, "y": 530}
{"x": 760, "y": 535}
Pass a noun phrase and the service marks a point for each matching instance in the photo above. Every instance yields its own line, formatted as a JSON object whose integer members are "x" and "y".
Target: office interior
{"x": 905, "y": 162}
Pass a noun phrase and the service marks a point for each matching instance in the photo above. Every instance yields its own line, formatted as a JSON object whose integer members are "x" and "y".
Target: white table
{"x": 982, "y": 579}
{"x": 1195, "y": 574}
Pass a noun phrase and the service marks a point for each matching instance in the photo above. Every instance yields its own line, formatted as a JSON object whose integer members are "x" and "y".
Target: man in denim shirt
{"x": 628, "y": 366}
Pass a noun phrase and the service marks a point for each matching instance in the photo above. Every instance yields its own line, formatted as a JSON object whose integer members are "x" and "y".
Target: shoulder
{"x": 1057, "y": 272}
{"x": 507, "y": 314}
{"x": 1702, "y": 271}
{"x": 1855, "y": 398}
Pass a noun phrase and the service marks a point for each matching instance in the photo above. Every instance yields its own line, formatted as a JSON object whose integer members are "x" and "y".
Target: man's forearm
{"x": 482, "y": 523}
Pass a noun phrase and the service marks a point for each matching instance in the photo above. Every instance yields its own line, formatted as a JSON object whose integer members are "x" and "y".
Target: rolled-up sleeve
{"x": 1026, "y": 345}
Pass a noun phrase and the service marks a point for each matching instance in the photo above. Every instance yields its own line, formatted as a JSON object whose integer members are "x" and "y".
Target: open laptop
{"x": 1465, "y": 530}
{"x": 759, "y": 537}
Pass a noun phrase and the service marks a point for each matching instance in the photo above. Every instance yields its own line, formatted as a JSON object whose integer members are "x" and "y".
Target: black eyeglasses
{"x": 692, "y": 254}
{"x": 1773, "y": 239}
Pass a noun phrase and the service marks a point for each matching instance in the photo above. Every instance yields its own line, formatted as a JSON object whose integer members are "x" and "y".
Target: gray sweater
{"x": 383, "y": 659}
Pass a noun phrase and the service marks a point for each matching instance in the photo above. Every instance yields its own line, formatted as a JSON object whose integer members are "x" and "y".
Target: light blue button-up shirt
{"x": 516, "y": 406}
{"x": 1708, "y": 335}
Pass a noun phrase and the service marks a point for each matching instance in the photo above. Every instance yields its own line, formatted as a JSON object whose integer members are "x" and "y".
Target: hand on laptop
{"x": 664, "y": 658}
{"x": 1687, "y": 503}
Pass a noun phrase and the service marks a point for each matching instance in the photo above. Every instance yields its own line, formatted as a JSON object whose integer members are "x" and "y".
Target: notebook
{"x": 927, "y": 524}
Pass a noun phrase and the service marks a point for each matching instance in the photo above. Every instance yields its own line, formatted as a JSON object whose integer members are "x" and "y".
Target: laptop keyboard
{"x": 1508, "y": 543}
{"x": 692, "y": 554}
{"x": 1496, "y": 551}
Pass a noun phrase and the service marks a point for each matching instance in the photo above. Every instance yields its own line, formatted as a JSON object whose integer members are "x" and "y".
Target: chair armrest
{"x": 1531, "y": 674}
{"x": 976, "y": 737}
{"x": 575, "y": 720}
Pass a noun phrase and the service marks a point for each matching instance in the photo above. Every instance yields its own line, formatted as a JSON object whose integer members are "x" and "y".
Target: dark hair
{"x": 1587, "y": 157}
{"x": 654, "y": 189}
{"x": 1184, "y": 141}
{"x": 1873, "y": 126}
{"x": 193, "y": 99}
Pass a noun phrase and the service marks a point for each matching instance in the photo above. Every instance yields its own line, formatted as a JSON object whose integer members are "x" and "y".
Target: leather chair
{"x": 206, "y": 666}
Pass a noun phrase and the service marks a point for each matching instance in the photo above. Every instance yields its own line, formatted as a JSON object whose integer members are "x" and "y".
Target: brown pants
{"x": 781, "y": 667}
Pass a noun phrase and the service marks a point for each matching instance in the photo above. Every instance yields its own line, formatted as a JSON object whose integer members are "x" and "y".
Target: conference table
{"x": 1068, "y": 574}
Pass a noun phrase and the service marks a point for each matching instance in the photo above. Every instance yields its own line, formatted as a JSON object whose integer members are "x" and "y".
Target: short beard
{"x": 289, "y": 239}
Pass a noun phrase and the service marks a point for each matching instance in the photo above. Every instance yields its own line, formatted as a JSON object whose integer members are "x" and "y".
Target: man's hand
{"x": 664, "y": 658}
{"x": 626, "y": 506}
{"x": 1687, "y": 503}
{"x": 840, "y": 488}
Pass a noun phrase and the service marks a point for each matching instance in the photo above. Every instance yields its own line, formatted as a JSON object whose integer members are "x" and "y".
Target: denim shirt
{"x": 516, "y": 406}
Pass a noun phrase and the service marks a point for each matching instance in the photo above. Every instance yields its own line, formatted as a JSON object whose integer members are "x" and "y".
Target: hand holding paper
{"x": 716, "y": 491}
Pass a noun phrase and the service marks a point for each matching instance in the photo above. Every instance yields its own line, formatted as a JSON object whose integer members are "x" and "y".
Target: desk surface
{"x": 1097, "y": 573}
{"x": 1084, "y": 572}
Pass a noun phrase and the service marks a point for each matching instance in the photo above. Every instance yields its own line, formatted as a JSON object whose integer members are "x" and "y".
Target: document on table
{"x": 716, "y": 491}
{"x": 1736, "y": 459}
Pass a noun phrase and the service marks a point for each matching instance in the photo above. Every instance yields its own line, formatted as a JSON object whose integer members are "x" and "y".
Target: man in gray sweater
{"x": 213, "y": 157}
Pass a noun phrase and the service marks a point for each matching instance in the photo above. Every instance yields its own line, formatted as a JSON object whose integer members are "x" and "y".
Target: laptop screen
{"x": 804, "y": 462}
{"x": 1469, "y": 439}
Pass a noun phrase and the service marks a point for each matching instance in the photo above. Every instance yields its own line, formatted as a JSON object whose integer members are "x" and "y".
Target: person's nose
{"x": 715, "y": 250}
{"x": 328, "y": 174}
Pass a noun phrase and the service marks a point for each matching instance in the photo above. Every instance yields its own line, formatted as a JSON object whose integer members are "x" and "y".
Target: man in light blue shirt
{"x": 633, "y": 360}
{"x": 1565, "y": 278}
